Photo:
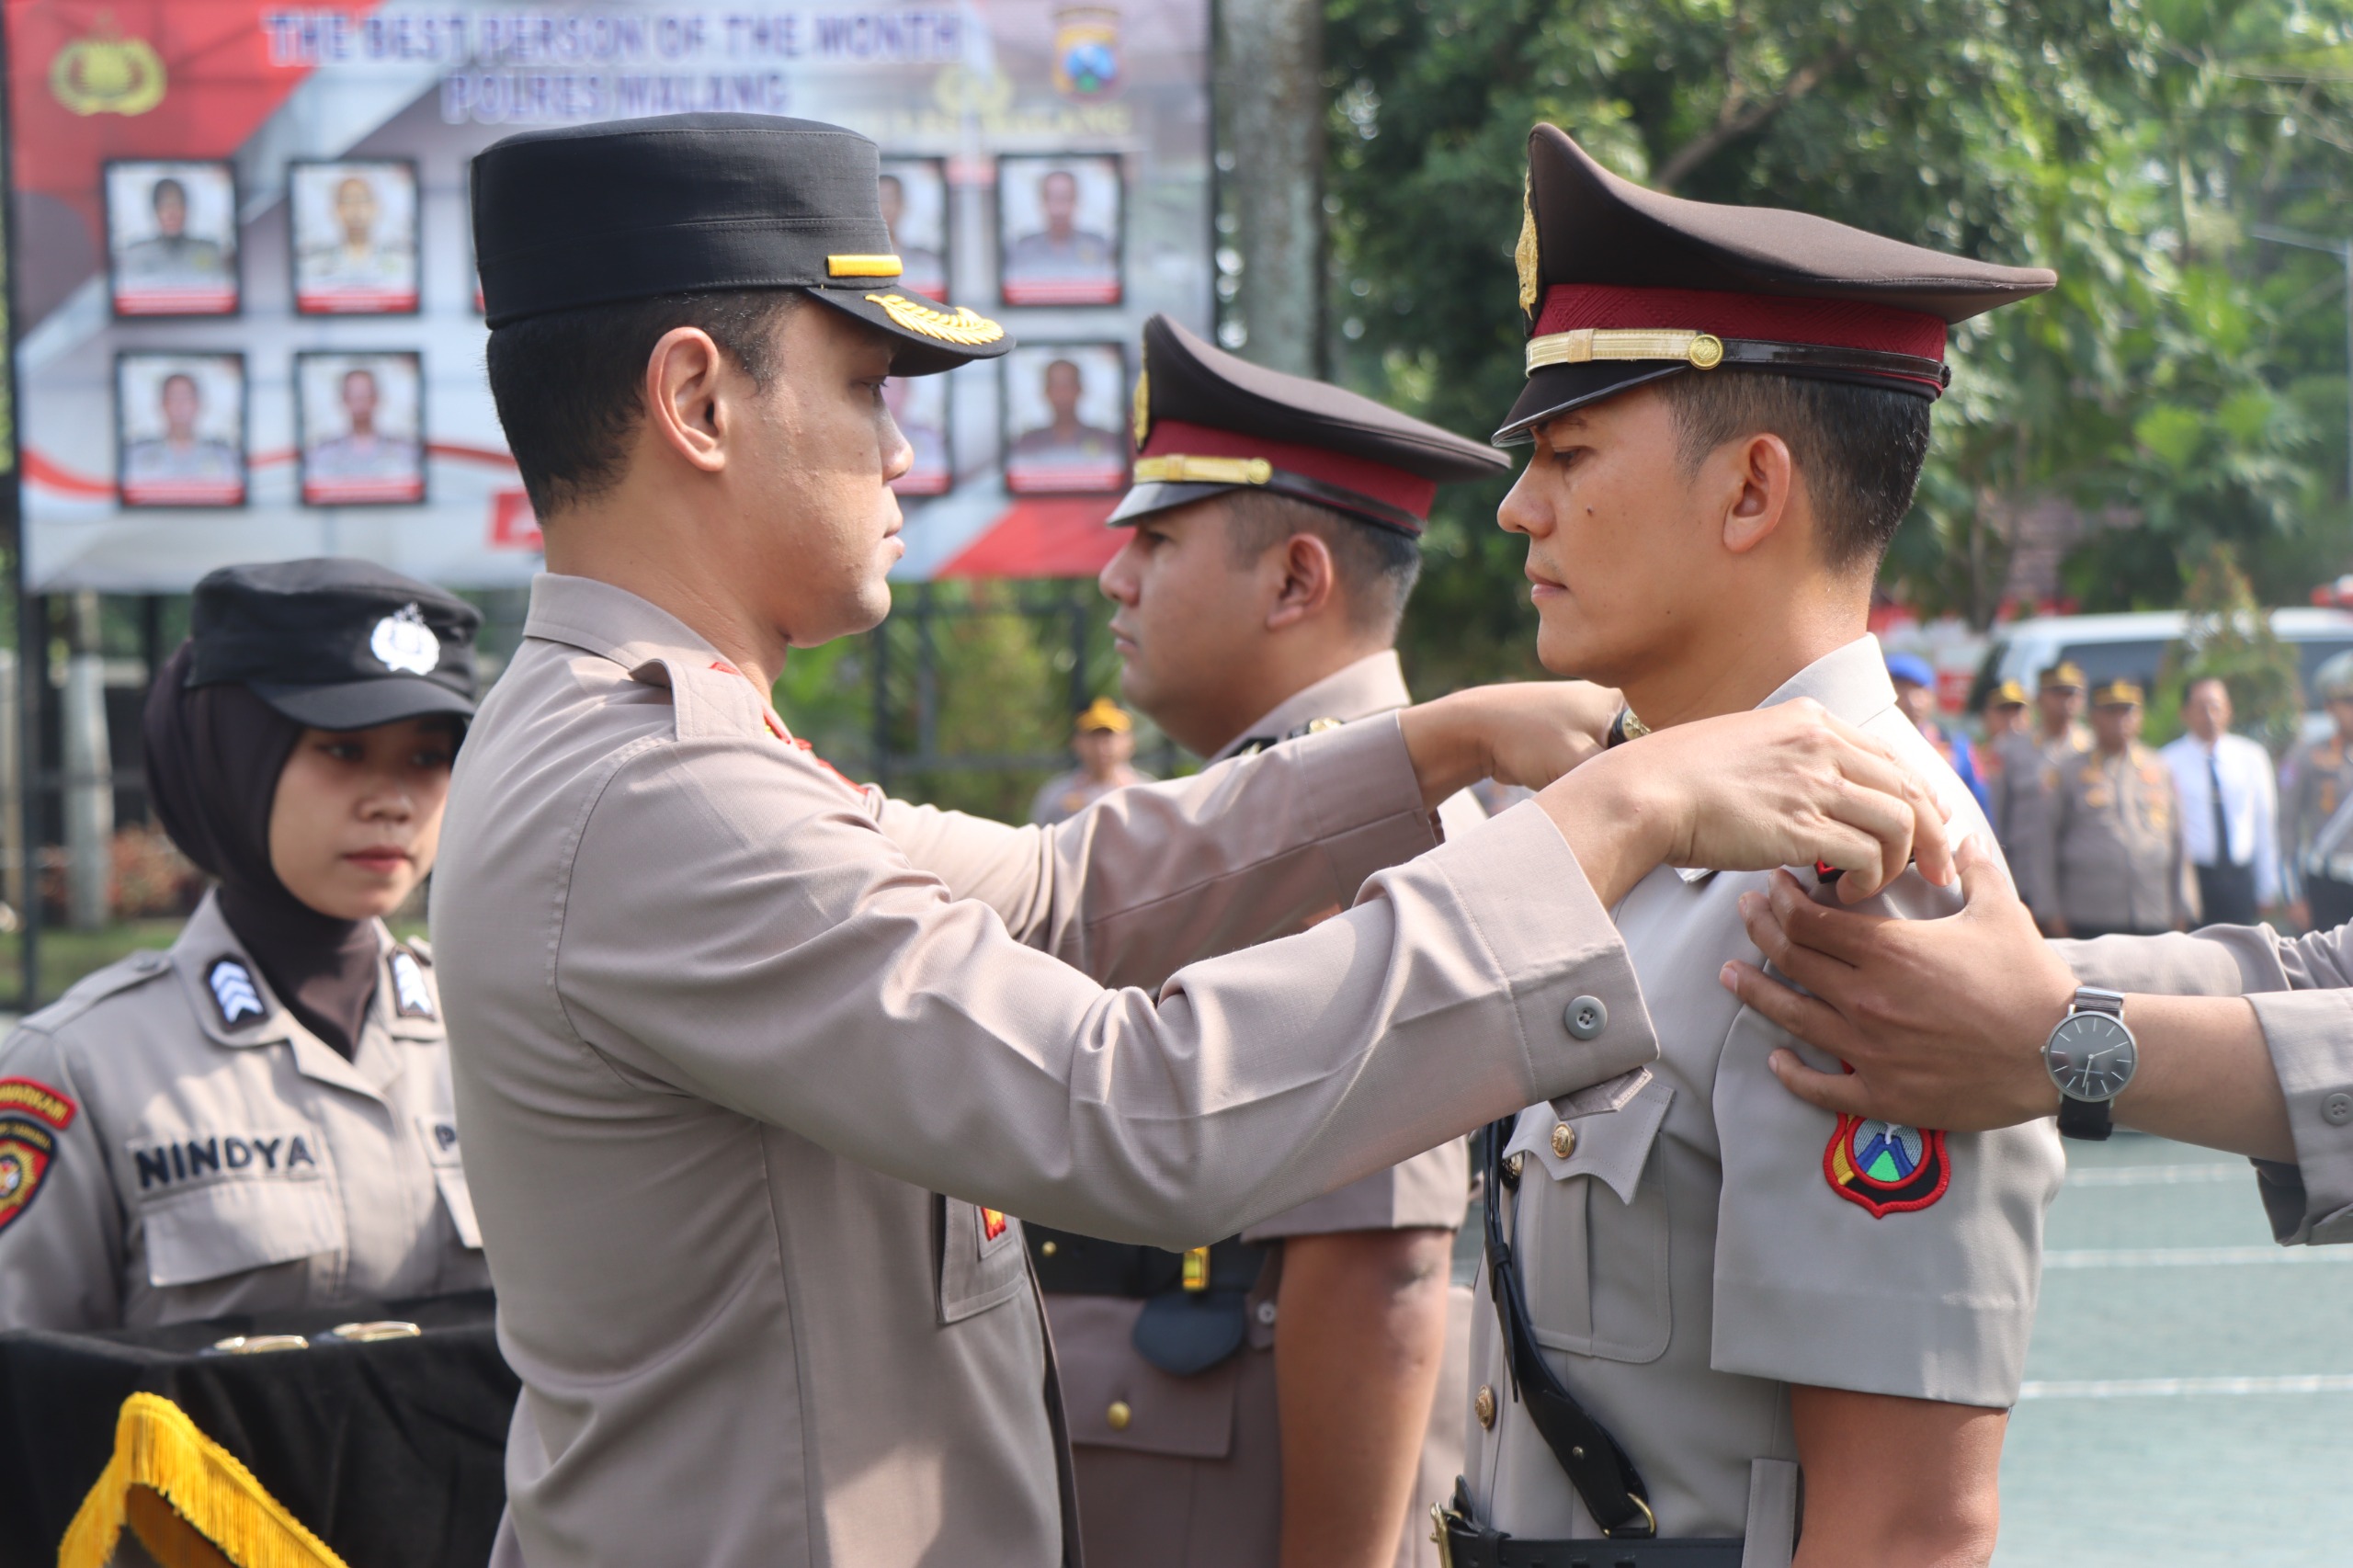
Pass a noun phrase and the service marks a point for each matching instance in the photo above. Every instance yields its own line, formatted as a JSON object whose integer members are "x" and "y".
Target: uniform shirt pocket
{"x": 215, "y": 1204}
{"x": 981, "y": 1260}
{"x": 439, "y": 1135}
{"x": 1592, "y": 1227}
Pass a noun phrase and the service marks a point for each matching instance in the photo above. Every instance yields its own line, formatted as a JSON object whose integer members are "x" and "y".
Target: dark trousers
{"x": 2227, "y": 894}
{"x": 2331, "y": 902}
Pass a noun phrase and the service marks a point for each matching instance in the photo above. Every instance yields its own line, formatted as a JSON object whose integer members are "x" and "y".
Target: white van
{"x": 2133, "y": 647}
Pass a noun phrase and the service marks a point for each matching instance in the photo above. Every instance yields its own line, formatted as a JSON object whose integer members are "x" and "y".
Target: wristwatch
{"x": 2091, "y": 1056}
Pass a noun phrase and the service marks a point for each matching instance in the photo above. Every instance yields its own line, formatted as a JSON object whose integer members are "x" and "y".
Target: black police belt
{"x": 1197, "y": 1307}
{"x": 1602, "y": 1471}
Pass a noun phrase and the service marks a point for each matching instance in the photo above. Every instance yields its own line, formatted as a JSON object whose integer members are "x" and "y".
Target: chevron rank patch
{"x": 1885, "y": 1166}
{"x": 31, "y": 1116}
{"x": 410, "y": 996}
{"x": 235, "y": 992}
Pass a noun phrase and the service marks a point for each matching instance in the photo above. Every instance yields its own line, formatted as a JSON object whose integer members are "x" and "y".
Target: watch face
{"x": 2091, "y": 1056}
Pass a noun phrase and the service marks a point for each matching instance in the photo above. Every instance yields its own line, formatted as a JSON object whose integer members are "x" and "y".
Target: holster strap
{"x": 1464, "y": 1542}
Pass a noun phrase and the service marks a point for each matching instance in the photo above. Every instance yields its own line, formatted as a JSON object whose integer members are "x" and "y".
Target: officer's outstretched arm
{"x": 1890, "y": 1479}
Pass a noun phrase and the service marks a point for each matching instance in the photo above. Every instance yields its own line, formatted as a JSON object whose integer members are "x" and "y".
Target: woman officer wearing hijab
{"x": 259, "y": 1118}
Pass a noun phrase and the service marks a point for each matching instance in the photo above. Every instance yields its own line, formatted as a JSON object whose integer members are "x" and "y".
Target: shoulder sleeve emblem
{"x": 234, "y": 991}
{"x": 1885, "y": 1166}
{"x": 31, "y": 1116}
{"x": 411, "y": 997}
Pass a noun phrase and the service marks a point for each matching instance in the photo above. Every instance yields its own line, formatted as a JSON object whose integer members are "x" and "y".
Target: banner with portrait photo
{"x": 171, "y": 237}
{"x": 182, "y": 435}
{"x": 360, "y": 418}
{"x": 354, "y": 236}
{"x": 1066, "y": 429}
{"x": 316, "y": 205}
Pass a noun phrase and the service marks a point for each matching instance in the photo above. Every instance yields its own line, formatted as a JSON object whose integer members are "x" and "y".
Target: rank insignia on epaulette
{"x": 235, "y": 992}
{"x": 993, "y": 1223}
{"x": 411, "y": 998}
{"x": 1885, "y": 1166}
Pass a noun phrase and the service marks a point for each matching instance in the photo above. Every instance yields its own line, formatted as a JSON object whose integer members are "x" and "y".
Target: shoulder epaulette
{"x": 92, "y": 989}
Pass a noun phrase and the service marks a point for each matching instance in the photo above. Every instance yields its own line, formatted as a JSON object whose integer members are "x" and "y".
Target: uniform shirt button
{"x": 1512, "y": 1164}
{"x": 1048, "y": 1249}
{"x": 1585, "y": 1017}
{"x": 1564, "y": 1140}
{"x": 1118, "y": 1415}
{"x": 1483, "y": 1406}
{"x": 1266, "y": 1314}
{"x": 2338, "y": 1109}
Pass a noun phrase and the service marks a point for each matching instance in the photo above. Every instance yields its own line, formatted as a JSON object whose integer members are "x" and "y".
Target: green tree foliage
{"x": 2184, "y": 377}
{"x": 2228, "y": 636}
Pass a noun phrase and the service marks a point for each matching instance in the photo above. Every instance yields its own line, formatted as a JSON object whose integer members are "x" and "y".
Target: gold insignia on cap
{"x": 1525, "y": 254}
{"x": 863, "y": 266}
{"x": 1178, "y": 469}
{"x": 1702, "y": 350}
{"x": 958, "y": 325}
{"x": 1141, "y": 417}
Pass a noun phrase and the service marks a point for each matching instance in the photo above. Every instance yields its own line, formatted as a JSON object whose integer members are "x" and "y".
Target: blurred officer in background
{"x": 260, "y": 1118}
{"x": 2108, "y": 858}
{"x": 1105, "y": 739}
{"x": 2317, "y": 819}
{"x": 2059, "y": 711}
{"x": 1915, "y": 692}
{"x": 1275, "y": 531}
{"x": 2011, "y": 764}
{"x": 2230, "y": 808}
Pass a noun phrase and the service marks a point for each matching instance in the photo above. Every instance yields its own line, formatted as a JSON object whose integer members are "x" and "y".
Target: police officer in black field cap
{"x": 260, "y": 1118}
{"x": 756, "y": 1065}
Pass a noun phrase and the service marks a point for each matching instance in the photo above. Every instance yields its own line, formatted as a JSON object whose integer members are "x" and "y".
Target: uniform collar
{"x": 1374, "y": 684}
{"x": 233, "y": 1004}
{"x": 610, "y": 622}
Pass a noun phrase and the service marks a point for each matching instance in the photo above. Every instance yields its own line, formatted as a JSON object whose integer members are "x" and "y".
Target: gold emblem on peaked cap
{"x": 960, "y": 326}
{"x": 1526, "y": 255}
{"x": 1141, "y": 414}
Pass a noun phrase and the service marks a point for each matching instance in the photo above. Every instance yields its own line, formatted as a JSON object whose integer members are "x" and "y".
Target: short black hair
{"x": 156, "y": 192}
{"x": 1377, "y": 566}
{"x": 568, "y": 383}
{"x": 1858, "y": 448}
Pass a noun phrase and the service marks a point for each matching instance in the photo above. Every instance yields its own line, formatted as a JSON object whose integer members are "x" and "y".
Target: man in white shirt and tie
{"x": 2229, "y": 808}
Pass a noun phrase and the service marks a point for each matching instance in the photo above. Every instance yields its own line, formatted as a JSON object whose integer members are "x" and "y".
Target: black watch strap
{"x": 2089, "y": 1120}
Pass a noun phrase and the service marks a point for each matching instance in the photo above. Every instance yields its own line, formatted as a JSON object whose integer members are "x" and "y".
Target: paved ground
{"x": 2190, "y": 1395}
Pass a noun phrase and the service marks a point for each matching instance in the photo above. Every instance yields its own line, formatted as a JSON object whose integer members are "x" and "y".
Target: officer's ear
{"x": 1759, "y": 479}
{"x": 1309, "y": 580}
{"x": 683, "y": 411}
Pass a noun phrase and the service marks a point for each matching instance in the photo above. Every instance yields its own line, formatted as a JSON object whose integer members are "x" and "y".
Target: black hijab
{"x": 215, "y": 754}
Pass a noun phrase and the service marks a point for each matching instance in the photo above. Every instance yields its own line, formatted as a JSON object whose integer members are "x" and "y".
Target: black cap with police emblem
{"x": 333, "y": 643}
{"x": 1206, "y": 421}
{"x": 1619, "y": 286}
{"x": 687, "y": 203}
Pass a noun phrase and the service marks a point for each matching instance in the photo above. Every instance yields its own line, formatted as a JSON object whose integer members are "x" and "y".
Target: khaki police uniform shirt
{"x": 2109, "y": 854}
{"x": 754, "y": 1064}
{"x": 2013, "y": 767}
{"x": 1192, "y": 1474}
{"x": 175, "y": 1144}
{"x": 2317, "y": 779}
{"x": 1695, "y": 1241}
{"x": 2302, "y": 990}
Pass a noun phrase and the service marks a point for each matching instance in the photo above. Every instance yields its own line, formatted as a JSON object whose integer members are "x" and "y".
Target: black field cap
{"x": 333, "y": 644}
{"x": 683, "y": 204}
{"x": 1618, "y": 286}
{"x": 1206, "y": 421}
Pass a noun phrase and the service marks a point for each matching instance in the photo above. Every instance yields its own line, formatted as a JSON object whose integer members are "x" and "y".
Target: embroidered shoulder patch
{"x": 993, "y": 1225}
{"x": 31, "y": 1116}
{"x": 234, "y": 991}
{"x": 411, "y": 997}
{"x": 1887, "y": 1167}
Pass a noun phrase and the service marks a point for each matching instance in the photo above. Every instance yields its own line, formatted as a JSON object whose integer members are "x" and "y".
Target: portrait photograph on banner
{"x": 359, "y": 417}
{"x": 1059, "y": 229}
{"x": 180, "y": 429}
{"x": 1066, "y": 418}
{"x": 171, "y": 238}
{"x": 918, "y": 405}
{"x": 914, "y": 206}
{"x": 354, "y": 236}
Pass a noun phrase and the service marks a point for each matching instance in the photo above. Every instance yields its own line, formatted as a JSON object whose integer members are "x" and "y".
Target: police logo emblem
{"x": 235, "y": 992}
{"x": 402, "y": 641}
{"x": 31, "y": 1116}
{"x": 411, "y": 997}
{"x": 1885, "y": 1166}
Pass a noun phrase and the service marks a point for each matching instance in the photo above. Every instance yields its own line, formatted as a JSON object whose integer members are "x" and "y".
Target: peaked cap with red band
{"x": 1619, "y": 286}
{"x": 1207, "y": 422}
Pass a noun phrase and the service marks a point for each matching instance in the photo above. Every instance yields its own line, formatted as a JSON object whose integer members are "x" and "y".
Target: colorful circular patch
{"x": 1886, "y": 1166}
